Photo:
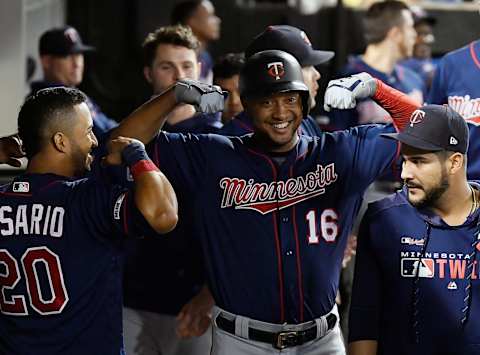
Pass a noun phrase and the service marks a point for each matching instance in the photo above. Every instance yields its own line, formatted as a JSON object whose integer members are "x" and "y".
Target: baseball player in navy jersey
{"x": 294, "y": 41}
{"x": 156, "y": 321}
{"x": 457, "y": 86}
{"x": 390, "y": 37}
{"x": 60, "y": 245}
{"x": 274, "y": 207}
{"x": 416, "y": 279}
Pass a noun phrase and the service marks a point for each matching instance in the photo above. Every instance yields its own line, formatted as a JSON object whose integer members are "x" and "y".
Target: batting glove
{"x": 206, "y": 98}
{"x": 344, "y": 93}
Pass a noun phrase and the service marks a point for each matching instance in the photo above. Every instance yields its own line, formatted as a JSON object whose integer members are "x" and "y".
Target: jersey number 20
{"x": 32, "y": 258}
{"x": 328, "y": 226}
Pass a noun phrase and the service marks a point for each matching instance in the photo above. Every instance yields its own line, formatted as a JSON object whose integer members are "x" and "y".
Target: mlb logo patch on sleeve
{"x": 21, "y": 186}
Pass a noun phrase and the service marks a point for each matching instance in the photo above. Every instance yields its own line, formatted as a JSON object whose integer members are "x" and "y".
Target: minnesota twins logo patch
{"x": 417, "y": 117}
{"x": 276, "y": 70}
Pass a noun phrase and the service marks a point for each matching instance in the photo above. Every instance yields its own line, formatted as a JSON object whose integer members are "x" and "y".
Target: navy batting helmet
{"x": 270, "y": 72}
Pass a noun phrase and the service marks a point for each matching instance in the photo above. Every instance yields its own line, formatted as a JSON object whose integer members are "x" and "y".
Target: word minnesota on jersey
{"x": 35, "y": 219}
{"x": 265, "y": 198}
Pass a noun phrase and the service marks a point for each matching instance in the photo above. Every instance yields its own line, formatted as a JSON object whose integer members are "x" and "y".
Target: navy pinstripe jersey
{"x": 273, "y": 236}
{"x": 392, "y": 236}
{"x": 60, "y": 265}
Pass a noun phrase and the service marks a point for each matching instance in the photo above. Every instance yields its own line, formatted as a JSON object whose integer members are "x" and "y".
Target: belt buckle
{"x": 286, "y": 339}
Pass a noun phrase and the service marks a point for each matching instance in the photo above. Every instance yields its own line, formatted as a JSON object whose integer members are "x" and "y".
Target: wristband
{"x": 133, "y": 153}
{"x": 141, "y": 167}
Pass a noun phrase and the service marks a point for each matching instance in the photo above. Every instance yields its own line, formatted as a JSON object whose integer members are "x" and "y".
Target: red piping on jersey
{"x": 277, "y": 241}
{"x": 125, "y": 206}
{"x": 15, "y": 194}
{"x": 156, "y": 156}
{"x": 299, "y": 266}
{"x": 474, "y": 55}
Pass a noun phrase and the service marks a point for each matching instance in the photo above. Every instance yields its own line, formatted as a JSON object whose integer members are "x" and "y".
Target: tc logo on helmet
{"x": 276, "y": 70}
{"x": 416, "y": 117}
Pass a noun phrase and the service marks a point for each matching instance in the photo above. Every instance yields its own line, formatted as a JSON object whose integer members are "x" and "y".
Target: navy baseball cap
{"x": 434, "y": 128}
{"x": 291, "y": 40}
{"x": 62, "y": 41}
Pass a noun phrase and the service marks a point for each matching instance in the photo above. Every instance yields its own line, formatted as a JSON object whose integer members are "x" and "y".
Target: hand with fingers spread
{"x": 195, "y": 317}
{"x": 206, "y": 98}
{"x": 11, "y": 150}
{"x": 343, "y": 93}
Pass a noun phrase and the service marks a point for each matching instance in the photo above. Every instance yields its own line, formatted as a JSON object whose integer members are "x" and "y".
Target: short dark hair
{"x": 228, "y": 65}
{"x": 380, "y": 18}
{"x": 183, "y": 11}
{"x": 43, "y": 110}
{"x": 177, "y": 35}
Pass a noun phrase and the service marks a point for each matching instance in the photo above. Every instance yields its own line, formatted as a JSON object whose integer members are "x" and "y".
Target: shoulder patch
{"x": 118, "y": 206}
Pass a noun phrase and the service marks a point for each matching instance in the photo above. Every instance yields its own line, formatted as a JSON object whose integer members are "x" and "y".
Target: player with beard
{"x": 60, "y": 248}
{"x": 416, "y": 280}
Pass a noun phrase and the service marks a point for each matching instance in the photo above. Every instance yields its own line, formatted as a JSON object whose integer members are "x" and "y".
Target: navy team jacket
{"x": 411, "y": 315}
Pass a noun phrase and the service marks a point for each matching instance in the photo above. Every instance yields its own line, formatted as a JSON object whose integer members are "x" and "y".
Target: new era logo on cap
{"x": 453, "y": 140}
{"x": 276, "y": 70}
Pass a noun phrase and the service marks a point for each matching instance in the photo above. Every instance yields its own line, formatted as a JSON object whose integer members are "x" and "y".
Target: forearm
{"x": 144, "y": 123}
{"x": 156, "y": 200}
{"x": 363, "y": 347}
{"x": 399, "y": 105}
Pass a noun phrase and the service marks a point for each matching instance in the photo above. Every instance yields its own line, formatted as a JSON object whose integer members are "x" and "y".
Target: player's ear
{"x": 61, "y": 142}
{"x": 199, "y": 68}
{"x": 394, "y": 33}
{"x": 147, "y": 72}
{"x": 456, "y": 162}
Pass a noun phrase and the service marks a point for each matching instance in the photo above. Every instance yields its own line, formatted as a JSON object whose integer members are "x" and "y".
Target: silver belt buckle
{"x": 286, "y": 339}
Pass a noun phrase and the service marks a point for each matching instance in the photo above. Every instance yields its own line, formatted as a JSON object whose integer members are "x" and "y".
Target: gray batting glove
{"x": 344, "y": 93}
{"x": 206, "y": 98}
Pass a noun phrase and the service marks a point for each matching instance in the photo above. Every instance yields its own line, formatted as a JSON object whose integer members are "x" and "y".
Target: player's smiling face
{"x": 425, "y": 175}
{"x": 83, "y": 140}
{"x": 276, "y": 119}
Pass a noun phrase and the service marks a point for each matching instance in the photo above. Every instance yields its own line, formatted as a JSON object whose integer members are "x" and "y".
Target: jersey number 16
{"x": 328, "y": 226}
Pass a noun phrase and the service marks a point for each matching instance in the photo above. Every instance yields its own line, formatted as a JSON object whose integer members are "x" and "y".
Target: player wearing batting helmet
{"x": 274, "y": 208}
{"x": 416, "y": 279}
{"x": 295, "y": 42}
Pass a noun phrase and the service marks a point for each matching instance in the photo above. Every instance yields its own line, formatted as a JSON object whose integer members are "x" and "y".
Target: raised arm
{"x": 344, "y": 93}
{"x": 153, "y": 194}
{"x": 145, "y": 122}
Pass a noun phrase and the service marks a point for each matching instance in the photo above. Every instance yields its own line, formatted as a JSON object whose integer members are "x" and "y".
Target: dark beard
{"x": 432, "y": 196}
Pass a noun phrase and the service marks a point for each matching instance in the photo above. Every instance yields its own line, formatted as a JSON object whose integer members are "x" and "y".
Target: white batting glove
{"x": 206, "y": 98}
{"x": 343, "y": 93}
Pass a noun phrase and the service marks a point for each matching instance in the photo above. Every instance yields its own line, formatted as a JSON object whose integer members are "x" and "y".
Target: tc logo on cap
{"x": 276, "y": 70}
{"x": 305, "y": 38}
{"x": 72, "y": 35}
{"x": 417, "y": 117}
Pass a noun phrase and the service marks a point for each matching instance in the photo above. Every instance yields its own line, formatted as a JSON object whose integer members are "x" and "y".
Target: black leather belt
{"x": 280, "y": 340}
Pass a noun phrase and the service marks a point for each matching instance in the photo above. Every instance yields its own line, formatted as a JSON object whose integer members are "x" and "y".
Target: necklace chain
{"x": 474, "y": 200}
